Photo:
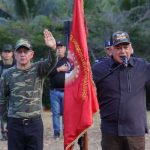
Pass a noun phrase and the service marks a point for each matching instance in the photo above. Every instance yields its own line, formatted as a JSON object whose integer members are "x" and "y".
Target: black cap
{"x": 108, "y": 44}
{"x": 7, "y": 47}
{"x": 60, "y": 43}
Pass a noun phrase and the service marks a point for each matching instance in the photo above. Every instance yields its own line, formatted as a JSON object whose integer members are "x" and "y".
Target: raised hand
{"x": 49, "y": 39}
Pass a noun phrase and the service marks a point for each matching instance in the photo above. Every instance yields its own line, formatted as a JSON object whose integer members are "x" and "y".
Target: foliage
{"x": 109, "y": 16}
{"x": 28, "y": 18}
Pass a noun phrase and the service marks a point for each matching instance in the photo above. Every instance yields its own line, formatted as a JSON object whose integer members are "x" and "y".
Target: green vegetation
{"x": 28, "y": 18}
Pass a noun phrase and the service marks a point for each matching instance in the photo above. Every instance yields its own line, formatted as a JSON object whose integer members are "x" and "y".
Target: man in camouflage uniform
{"x": 6, "y": 62}
{"x": 22, "y": 85}
{"x": 7, "y": 58}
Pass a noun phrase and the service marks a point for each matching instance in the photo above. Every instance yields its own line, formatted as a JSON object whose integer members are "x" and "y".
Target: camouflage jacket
{"x": 22, "y": 89}
{"x": 4, "y": 67}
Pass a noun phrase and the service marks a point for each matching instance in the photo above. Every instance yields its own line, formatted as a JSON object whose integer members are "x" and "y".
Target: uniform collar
{"x": 130, "y": 64}
{"x": 131, "y": 61}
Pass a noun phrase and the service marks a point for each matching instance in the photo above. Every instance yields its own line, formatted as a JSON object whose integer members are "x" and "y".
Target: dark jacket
{"x": 122, "y": 96}
{"x": 4, "y": 67}
{"x": 57, "y": 79}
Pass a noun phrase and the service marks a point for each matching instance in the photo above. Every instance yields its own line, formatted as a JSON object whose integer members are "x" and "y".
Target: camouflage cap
{"x": 23, "y": 43}
{"x": 120, "y": 37}
{"x": 7, "y": 47}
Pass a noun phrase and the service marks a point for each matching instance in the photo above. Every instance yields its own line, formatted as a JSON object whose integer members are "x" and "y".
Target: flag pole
{"x": 85, "y": 139}
{"x": 84, "y": 105}
{"x": 67, "y": 29}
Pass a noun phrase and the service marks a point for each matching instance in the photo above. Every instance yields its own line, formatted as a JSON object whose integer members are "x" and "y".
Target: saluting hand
{"x": 49, "y": 39}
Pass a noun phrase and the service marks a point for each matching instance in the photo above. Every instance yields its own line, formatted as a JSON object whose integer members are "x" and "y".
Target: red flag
{"x": 80, "y": 101}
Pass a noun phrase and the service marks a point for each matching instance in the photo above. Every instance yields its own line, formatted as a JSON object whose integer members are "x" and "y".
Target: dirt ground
{"x": 94, "y": 135}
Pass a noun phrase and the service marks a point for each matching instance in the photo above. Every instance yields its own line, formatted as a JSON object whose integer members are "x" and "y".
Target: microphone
{"x": 124, "y": 60}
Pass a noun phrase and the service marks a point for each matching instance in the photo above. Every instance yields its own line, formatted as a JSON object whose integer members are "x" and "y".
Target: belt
{"x": 25, "y": 121}
{"x": 58, "y": 89}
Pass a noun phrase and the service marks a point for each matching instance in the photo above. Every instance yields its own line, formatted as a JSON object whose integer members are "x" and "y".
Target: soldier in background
{"x": 7, "y": 61}
{"x": 107, "y": 50}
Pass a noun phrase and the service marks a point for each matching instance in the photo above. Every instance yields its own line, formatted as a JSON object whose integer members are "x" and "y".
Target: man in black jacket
{"x": 57, "y": 81}
{"x": 122, "y": 96}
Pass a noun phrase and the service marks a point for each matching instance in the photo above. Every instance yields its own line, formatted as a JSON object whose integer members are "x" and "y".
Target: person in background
{"x": 107, "y": 50}
{"x": 7, "y": 58}
{"x": 7, "y": 61}
{"x": 122, "y": 96}
{"x": 57, "y": 81}
{"x": 22, "y": 86}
